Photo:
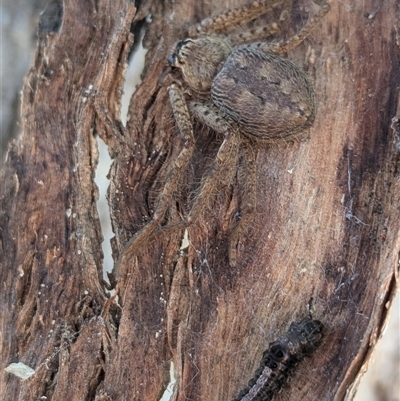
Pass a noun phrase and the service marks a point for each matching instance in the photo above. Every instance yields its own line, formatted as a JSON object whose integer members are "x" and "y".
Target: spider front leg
{"x": 182, "y": 118}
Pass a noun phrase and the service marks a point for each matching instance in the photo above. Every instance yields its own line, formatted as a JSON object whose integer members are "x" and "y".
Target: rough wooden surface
{"x": 326, "y": 225}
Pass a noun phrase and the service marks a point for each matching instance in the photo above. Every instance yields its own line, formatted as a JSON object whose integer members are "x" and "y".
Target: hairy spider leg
{"x": 261, "y": 32}
{"x": 220, "y": 174}
{"x": 294, "y": 41}
{"x": 224, "y": 166}
{"x": 182, "y": 118}
{"x": 225, "y": 22}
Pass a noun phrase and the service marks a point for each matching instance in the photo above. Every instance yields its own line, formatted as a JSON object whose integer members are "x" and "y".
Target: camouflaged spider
{"x": 246, "y": 92}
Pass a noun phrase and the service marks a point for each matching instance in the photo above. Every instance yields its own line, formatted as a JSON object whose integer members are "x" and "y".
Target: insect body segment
{"x": 280, "y": 358}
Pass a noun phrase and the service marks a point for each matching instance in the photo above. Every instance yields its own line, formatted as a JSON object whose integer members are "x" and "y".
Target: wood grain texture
{"x": 326, "y": 225}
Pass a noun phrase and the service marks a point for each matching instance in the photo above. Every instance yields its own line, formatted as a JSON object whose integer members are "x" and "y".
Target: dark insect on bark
{"x": 280, "y": 358}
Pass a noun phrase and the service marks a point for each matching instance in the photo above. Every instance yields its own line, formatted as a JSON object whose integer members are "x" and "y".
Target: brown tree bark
{"x": 326, "y": 226}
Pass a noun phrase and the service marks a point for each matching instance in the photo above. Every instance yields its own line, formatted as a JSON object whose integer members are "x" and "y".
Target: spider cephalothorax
{"x": 247, "y": 92}
{"x": 200, "y": 60}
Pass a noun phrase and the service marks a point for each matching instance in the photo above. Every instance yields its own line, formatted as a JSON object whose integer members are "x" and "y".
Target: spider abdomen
{"x": 267, "y": 96}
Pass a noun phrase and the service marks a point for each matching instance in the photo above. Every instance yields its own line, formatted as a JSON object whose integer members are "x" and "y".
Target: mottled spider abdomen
{"x": 267, "y": 96}
{"x": 280, "y": 359}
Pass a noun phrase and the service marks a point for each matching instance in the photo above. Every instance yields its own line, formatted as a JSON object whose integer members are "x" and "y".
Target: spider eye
{"x": 175, "y": 58}
{"x": 181, "y": 44}
{"x": 172, "y": 59}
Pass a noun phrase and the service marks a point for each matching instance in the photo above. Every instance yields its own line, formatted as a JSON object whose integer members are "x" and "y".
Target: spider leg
{"x": 223, "y": 168}
{"x": 182, "y": 118}
{"x": 224, "y": 165}
{"x": 209, "y": 115}
{"x": 294, "y": 41}
{"x": 225, "y": 22}
{"x": 219, "y": 175}
{"x": 261, "y": 32}
{"x": 248, "y": 206}
{"x": 221, "y": 172}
